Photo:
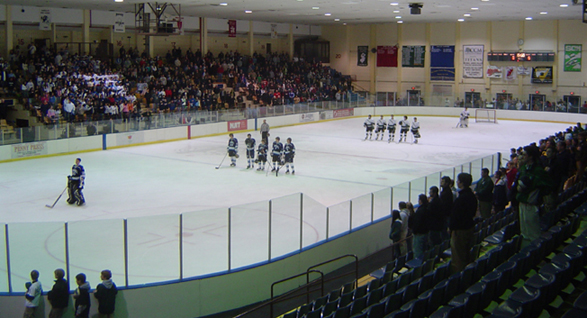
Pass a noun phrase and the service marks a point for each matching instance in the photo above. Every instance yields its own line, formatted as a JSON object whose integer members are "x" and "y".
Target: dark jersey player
{"x": 232, "y": 149}
{"x": 250, "y": 143}
{"x": 276, "y": 152}
{"x": 289, "y": 150}
{"x": 75, "y": 183}
{"x": 262, "y": 155}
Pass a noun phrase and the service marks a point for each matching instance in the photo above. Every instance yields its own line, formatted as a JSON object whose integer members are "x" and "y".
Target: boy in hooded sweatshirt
{"x": 82, "y": 296}
{"x": 106, "y": 295}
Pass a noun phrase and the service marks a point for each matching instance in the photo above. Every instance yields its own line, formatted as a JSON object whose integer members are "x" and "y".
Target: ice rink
{"x": 151, "y": 185}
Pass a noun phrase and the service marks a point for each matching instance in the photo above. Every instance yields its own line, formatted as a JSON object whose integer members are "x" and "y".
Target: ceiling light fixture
{"x": 543, "y": 12}
{"x": 400, "y": 21}
{"x": 327, "y": 14}
{"x": 118, "y": 0}
{"x": 336, "y": 20}
{"x": 467, "y": 15}
{"x": 474, "y": 9}
{"x": 529, "y": 18}
{"x": 248, "y": 11}
{"x": 224, "y": 4}
{"x": 461, "y": 20}
{"x": 395, "y": 11}
{"x": 315, "y": 8}
{"x": 394, "y": 4}
{"x": 564, "y": 5}
{"x": 398, "y": 16}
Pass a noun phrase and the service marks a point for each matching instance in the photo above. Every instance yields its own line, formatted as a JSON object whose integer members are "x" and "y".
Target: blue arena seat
{"x": 376, "y": 311}
{"x": 393, "y": 303}
{"x": 529, "y": 299}
{"x": 545, "y": 283}
{"x": 390, "y": 288}
{"x": 358, "y": 305}
{"x": 342, "y": 312}
{"x": 416, "y": 307}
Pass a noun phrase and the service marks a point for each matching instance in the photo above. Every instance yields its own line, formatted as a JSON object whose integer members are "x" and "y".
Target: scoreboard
{"x": 520, "y": 56}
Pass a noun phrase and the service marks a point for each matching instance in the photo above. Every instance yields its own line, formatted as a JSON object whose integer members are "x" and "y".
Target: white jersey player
{"x": 404, "y": 128}
{"x": 391, "y": 124}
{"x": 464, "y": 120}
{"x": 369, "y": 126}
{"x": 380, "y": 128}
{"x": 416, "y": 129}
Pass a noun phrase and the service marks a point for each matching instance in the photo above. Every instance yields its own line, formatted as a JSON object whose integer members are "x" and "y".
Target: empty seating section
{"x": 505, "y": 280}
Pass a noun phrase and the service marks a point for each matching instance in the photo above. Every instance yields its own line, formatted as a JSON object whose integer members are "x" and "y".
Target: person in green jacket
{"x": 484, "y": 193}
{"x": 532, "y": 185}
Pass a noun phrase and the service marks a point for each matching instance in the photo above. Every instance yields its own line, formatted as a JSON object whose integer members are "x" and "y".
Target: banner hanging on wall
{"x": 524, "y": 70}
{"x": 442, "y": 63}
{"x": 573, "y": 57}
{"x": 494, "y": 72}
{"x": 387, "y": 56}
{"x": 119, "y": 23}
{"x": 510, "y": 73}
{"x": 473, "y": 61}
{"x": 45, "y": 20}
{"x": 542, "y": 75}
{"x": 274, "y": 31}
{"x": 231, "y": 28}
{"x": 413, "y": 56}
{"x": 362, "y": 55}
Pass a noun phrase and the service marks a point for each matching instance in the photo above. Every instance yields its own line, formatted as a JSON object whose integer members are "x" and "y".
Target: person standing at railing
{"x": 484, "y": 193}
{"x": 58, "y": 296}
{"x": 33, "y": 295}
{"x": 395, "y": 232}
{"x": 436, "y": 217}
{"x": 405, "y": 216}
{"x": 446, "y": 200}
{"x": 419, "y": 225}
{"x": 265, "y": 131}
{"x": 462, "y": 224}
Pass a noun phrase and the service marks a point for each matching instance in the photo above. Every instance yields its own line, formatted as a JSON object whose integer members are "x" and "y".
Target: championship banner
{"x": 119, "y": 23}
{"x": 442, "y": 56}
{"x": 274, "y": 31}
{"x": 542, "y": 75}
{"x": 413, "y": 56}
{"x": 494, "y": 72}
{"x": 573, "y": 57}
{"x": 524, "y": 70}
{"x": 362, "y": 55}
{"x": 473, "y": 61}
{"x": 231, "y": 28}
{"x": 45, "y": 20}
{"x": 386, "y": 56}
{"x": 510, "y": 73}
{"x": 442, "y": 63}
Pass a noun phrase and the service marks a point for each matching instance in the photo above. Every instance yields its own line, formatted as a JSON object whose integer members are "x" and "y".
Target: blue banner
{"x": 442, "y": 56}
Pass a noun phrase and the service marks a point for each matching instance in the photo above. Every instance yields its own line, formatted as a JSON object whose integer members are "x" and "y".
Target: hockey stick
{"x": 59, "y": 197}
{"x": 226, "y": 154}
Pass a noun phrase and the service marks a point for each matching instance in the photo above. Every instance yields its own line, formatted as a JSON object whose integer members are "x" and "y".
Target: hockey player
{"x": 232, "y": 149}
{"x": 276, "y": 152}
{"x": 250, "y": 143}
{"x": 404, "y": 128}
{"x": 464, "y": 120}
{"x": 289, "y": 150}
{"x": 369, "y": 125}
{"x": 380, "y": 128}
{"x": 75, "y": 183}
{"x": 416, "y": 129}
{"x": 391, "y": 128}
{"x": 262, "y": 155}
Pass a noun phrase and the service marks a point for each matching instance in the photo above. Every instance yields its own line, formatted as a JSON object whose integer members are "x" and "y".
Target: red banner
{"x": 387, "y": 56}
{"x": 231, "y": 28}
{"x": 346, "y": 112}
{"x": 237, "y": 125}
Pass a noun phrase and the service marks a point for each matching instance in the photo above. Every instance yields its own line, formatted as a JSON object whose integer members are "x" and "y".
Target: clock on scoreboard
{"x": 520, "y": 56}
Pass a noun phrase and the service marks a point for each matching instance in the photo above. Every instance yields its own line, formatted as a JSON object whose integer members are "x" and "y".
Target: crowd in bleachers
{"x": 57, "y": 84}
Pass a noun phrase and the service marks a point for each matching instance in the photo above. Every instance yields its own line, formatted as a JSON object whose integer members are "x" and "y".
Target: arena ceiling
{"x": 320, "y": 12}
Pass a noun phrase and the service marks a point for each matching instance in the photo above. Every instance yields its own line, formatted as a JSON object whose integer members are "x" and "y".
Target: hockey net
{"x": 483, "y": 115}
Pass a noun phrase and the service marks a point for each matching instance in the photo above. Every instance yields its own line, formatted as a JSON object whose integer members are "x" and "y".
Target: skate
{"x": 233, "y": 164}
{"x": 287, "y": 172}
{"x": 259, "y": 169}
{"x": 273, "y": 169}
{"x": 293, "y": 172}
{"x": 80, "y": 202}
{"x": 249, "y": 167}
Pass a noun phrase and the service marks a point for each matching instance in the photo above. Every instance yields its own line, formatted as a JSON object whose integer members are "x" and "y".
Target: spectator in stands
{"x": 33, "y": 295}
{"x": 106, "y": 294}
{"x": 395, "y": 232}
{"x": 436, "y": 218}
{"x": 484, "y": 193}
{"x": 533, "y": 184}
{"x": 500, "y": 191}
{"x": 419, "y": 225}
{"x": 405, "y": 216}
{"x": 58, "y": 296}
{"x": 446, "y": 200}
{"x": 462, "y": 224}
{"x": 562, "y": 165}
{"x": 82, "y": 296}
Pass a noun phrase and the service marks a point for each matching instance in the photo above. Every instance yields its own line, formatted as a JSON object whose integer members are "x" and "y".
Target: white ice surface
{"x": 144, "y": 184}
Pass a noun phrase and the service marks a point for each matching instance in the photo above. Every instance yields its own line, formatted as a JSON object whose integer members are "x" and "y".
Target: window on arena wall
{"x": 313, "y": 49}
